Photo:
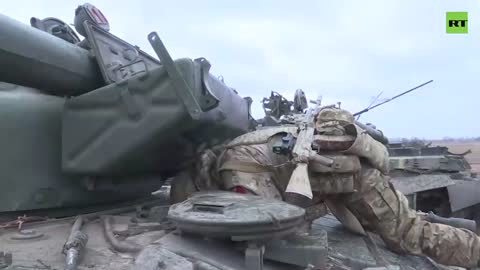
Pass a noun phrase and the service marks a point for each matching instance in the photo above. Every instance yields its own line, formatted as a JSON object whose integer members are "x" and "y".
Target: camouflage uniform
{"x": 373, "y": 200}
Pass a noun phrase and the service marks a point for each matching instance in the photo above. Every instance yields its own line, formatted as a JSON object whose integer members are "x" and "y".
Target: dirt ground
{"x": 463, "y": 146}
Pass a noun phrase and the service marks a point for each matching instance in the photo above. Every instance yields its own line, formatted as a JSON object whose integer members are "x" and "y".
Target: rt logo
{"x": 457, "y": 22}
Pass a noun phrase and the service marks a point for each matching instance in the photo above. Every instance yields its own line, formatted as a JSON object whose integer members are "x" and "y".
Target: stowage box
{"x": 143, "y": 125}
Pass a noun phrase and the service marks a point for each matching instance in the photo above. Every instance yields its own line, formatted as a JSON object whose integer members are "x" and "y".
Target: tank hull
{"x": 30, "y": 160}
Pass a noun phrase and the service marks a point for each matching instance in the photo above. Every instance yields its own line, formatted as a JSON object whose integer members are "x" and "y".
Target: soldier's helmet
{"x": 333, "y": 121}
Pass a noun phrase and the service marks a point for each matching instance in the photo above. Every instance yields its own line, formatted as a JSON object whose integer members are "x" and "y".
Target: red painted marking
{"x": 103, "y": 16}
{"x": 240, "y": 189}
{"x": 96, "y": 16}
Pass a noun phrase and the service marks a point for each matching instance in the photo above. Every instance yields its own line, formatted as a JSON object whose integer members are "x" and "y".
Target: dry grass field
{"x": 461, "y": 146}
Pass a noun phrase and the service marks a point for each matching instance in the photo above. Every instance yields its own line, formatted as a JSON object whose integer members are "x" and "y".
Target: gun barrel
{"x": 375, "y": 133}
{"x": 34, "y": 58}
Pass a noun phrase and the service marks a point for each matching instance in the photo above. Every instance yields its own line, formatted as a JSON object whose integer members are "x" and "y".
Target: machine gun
{"x": 276, "y": 105}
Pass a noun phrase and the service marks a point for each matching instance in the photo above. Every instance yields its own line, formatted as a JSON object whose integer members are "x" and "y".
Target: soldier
{"x": 355, "y": 187}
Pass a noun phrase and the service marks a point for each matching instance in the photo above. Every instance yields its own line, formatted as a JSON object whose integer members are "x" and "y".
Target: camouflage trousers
{"x": 379, "y": 207}
{"x": 383, "y": 210}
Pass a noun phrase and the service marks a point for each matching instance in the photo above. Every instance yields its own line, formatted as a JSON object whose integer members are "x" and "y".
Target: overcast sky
{"x": 346, "y": 51}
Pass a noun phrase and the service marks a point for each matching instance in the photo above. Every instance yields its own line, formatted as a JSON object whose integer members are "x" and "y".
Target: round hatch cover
{"x": 237, "y": 216}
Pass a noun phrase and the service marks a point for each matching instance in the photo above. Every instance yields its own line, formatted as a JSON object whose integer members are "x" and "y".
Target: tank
{"x": 434, "y": 179}
{"x": 97, "y": 120}
{"x": 93, "y": 126}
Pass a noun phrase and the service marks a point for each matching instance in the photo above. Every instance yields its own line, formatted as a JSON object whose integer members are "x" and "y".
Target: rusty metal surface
{"x": 173, "y": 251}
{"x": 221, "y": 253}
{"x": 447, "y": 163}
{"x": 357, "y": 253}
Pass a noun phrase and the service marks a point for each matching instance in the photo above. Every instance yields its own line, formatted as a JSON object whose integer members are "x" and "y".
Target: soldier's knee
{"x": 409, "y": 238}
{"x": 387, "y": 213}
{"x": 260, "y": 184}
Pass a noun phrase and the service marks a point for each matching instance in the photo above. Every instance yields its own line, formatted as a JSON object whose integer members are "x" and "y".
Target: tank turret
{"x": 99, "y": 120}
{"x": 434, "y": 179}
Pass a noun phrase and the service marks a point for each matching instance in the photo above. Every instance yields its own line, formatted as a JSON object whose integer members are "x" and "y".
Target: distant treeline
{"x": 450, "y": 139}
{"x": 420, "y": 141}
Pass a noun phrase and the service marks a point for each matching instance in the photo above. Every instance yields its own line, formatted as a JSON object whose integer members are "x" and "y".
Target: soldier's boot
{"x": 460, "y": 223}
{"x": 404, "y": 230}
